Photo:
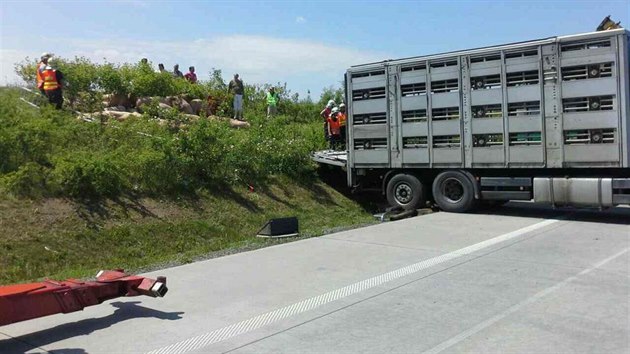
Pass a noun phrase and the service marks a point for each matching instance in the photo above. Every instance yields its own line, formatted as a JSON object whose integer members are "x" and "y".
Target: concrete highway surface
{"x": 521, "y": 278}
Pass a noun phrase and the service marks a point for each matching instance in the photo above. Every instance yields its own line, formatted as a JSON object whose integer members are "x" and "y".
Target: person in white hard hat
{"x": 52, "y": 86}
{"x": 325, "y": 114}
{"x": 334, "y": 132}
{"x": 41, "y": 66}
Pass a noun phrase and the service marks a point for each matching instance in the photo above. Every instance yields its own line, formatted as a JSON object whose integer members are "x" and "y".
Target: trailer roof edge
{"x": 508, "y": 46}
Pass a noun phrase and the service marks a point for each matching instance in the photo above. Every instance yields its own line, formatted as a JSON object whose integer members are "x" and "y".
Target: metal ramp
{"x": 331, "y": 157}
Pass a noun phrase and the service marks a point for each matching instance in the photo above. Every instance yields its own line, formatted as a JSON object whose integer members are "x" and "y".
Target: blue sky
{"x": 309, "y": 45}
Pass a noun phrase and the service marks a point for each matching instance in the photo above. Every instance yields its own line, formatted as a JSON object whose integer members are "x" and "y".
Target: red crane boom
{"x": 22, "y": 302}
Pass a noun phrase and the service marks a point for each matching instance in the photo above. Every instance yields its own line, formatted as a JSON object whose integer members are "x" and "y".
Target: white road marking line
{"x": 492, "y": 320}
{"x": 262, "y": 320}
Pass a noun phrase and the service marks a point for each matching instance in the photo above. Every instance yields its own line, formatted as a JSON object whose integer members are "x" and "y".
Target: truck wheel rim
{"x": 453, "y": 190}
{"x": 403, "y": 193}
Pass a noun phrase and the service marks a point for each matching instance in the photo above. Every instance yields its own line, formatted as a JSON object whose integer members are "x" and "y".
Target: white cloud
{"x": 8, "y": 59}
{"x": 300, "y": 19}
{"x": 258, "y": 59}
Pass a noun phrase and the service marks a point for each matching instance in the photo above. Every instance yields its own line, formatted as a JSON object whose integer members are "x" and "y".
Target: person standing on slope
{"x": 272, "y": 102}
{"x": 176, "y": 72}
{"x": 41, "y": 66}
{"x": 52, "y": 86}
{"x": 236, "y": 87}
{"x": 191, "y": 76}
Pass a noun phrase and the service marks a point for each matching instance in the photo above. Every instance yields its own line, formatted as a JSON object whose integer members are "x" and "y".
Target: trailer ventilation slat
{"x": 415, "y": 142}
{"x": 485, "y": 82}
{"x": 588, "y": 104}
{"x": 523, "y": 108}
{"x": 370, "y": 119}
{"x": 521, "y": 54}
{"x": 445, "y": 113}
{"x": 483, "y": 140}
{"x": 416, "y": 89}
{"x": 486, "y": 58}
{"x": 368, "y": 94}
{"x": 487, "y": 111}
{"x": 442, "y": 64}
{"x": 526, "y": 138}
{"x": 416, "y": 115}
{"x": 593, "y": 44}
{"x": 414, "y": 68}
{"x": 522, "y": 78}
{"x": 446, "y": 141}
{"x": 368, "y": 74}
{"x": 589, "y": 136}
{"x": 370, "y": 144}
{"x": 451, "y": 85}
{"x": 591, "y": 71}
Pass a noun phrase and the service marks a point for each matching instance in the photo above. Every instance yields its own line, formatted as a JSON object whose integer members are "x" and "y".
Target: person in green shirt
{"x": 272, "y": 102}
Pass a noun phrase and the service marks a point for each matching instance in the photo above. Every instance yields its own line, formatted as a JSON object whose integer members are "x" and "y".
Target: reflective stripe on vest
{"x": 50, "y": 80}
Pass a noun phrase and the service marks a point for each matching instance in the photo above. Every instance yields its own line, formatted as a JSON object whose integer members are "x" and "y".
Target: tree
{"x": 216, "y": 80}
{"x": 331, "y": 93}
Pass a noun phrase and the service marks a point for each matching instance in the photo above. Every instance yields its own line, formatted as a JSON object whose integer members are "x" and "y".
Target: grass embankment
{"x": 60, "y": 238}
{"x": 76, "y": 197}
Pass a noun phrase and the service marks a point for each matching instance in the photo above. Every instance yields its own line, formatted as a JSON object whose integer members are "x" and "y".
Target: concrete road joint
{"x": 383, "y": 245}
{"x": 514, "y": 308}
{"x": 265, "y": 319}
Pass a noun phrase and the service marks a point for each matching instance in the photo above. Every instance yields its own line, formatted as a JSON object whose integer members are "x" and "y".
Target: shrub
{"x": 30, "y": 180}
{"x": 85, "y": 175}
{"x": 49, "y": 152}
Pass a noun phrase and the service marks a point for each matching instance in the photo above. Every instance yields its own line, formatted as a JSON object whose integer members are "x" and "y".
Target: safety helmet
{"x": 335, "y": 110}
{"x": 342, "y": 105}
{"x": 331, "y": 103}
{"x": 46, "y": 55}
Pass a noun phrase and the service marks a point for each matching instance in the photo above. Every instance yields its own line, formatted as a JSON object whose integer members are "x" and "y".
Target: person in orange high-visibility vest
{"x": 325, "y": 113}
{"x": 43, "y": 63}
{"x": 52, "y": 86}
{"x": 342, "y": 125}
{"x": 334, "y": 128}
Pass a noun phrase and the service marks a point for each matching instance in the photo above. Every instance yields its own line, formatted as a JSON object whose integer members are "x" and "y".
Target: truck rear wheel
{"x": 453, "y": 192}
{"x": 405, "y": 191}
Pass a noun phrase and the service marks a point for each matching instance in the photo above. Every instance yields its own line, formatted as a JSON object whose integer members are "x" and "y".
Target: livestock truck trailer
{"x": 544, "y": 120}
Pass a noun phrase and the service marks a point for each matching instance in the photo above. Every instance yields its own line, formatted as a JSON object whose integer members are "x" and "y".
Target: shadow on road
{"x": 620, "y": 216}
{"x": 124, "y": 311}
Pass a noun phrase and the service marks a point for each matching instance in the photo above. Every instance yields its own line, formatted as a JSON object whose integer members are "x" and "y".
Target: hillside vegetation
{"x": 77, "y": 196}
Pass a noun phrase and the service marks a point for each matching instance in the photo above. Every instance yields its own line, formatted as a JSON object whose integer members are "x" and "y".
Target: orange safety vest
{"x": 50, "y": 80}
{"x": 342, "y": 119}
{"x": 333, "y": 124}
{"x": 40, "y": 79}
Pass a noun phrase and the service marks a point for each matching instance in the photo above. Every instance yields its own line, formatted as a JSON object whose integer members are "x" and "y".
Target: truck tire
{"x": 453, "y": 192}
{"x": 405, "y": 191}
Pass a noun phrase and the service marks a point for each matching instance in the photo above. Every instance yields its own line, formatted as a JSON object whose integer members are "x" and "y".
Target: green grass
{"x": 59, "y": 238}
{"x": 77, "y": 197}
